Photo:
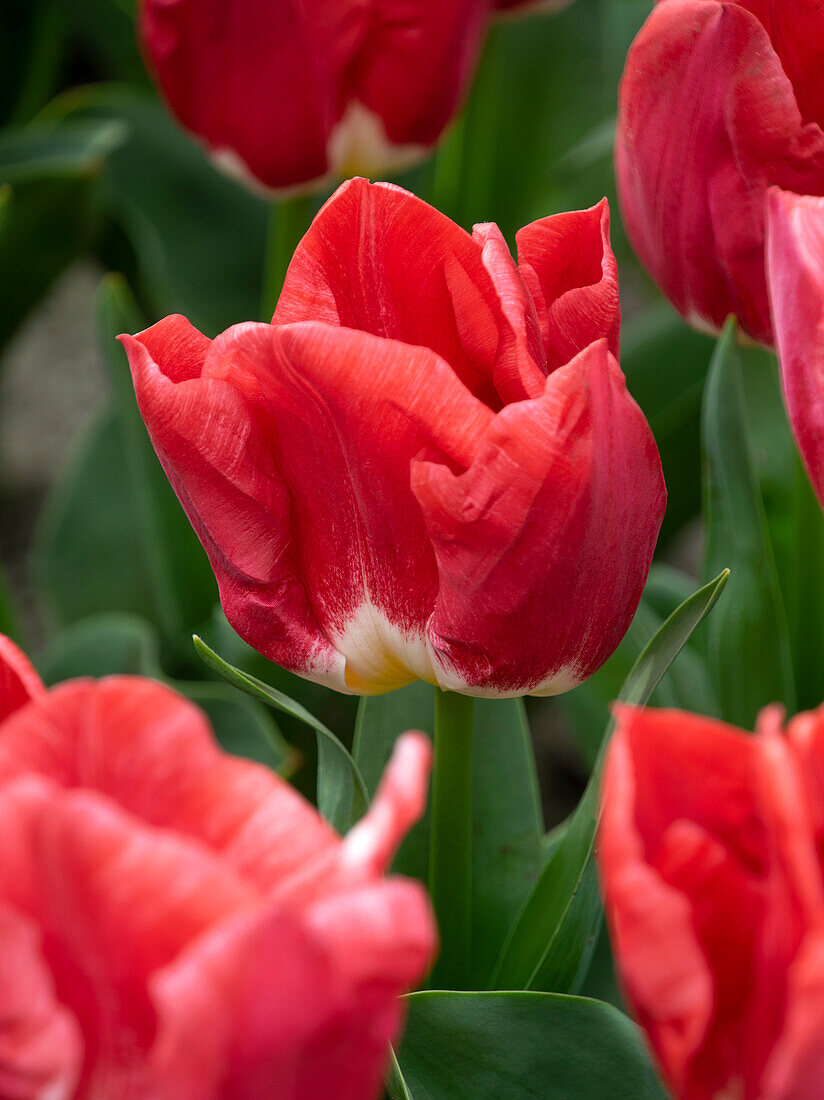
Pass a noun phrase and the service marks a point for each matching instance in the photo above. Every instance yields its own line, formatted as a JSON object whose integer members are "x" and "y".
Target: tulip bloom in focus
{"x": 719, "y": 101}
{"x": 795, "y": 269}
{"x": 711, "y": 854}
{"x": 289, "y": 93}
{"x": 177, "y": 923}
{"x": 428, "y": 465}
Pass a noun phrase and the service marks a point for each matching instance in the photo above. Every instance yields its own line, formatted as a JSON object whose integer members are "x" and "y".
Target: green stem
{"x": 288, "y": 221}
{"x": 450, "y": 845}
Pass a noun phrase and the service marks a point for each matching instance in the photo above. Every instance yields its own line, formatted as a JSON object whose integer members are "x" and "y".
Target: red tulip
{"x": 291, "y": 93}
{"x": 719, "y": 100}
{"x": 795, "y": 269}
{"x": 179, "y": 924}
{"x": 711, "y": 854}
{"x": 428, "y": 465}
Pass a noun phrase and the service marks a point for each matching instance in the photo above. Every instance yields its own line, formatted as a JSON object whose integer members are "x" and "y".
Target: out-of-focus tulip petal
{"x": 399, "y": 803}
{"x": 519, "y": 526}
{"x": 41, "y": 1050}
{"x": 420, "y": 279}
{"x": 714, "y": 893}
{"x": 568, "y": 264}
{"x": 116, "y": 902}
{"x": 152, "y": 752}
{"x": 18, "y": 680}
{"x": 795, "y": 271}
{"x": 286, "y": 93}
{"x": 708, "y": 120}
{"x": 796, "y": 31}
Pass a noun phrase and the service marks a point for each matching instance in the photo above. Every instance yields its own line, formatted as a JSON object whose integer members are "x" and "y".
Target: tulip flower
{"x": 177, "y": 923}
{"x": 710, "y": 853}
{"x": 428, "y": 465}
{"x": 795, "y": 270}
{"x": 286, "y": 94}
{"x": 719, "y": 101}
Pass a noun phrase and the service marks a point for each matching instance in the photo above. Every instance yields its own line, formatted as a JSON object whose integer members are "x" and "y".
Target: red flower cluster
{"x": 428, "y": 465}
{"x": 712, "y": 865}
{"x": 179, "y": 924}
{"x": 289, "y": 93}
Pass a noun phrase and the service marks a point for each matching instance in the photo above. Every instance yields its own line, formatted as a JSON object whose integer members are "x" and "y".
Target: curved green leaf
{"x": 523, "y": 1046}
{"x": 342, "y": 793}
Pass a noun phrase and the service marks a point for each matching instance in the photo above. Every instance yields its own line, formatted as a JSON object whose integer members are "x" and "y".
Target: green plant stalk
{"x": 288, "y": 221}
{"x": 450, "y": 846}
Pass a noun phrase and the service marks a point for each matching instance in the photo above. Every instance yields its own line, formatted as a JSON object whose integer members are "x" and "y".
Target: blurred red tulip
{"x": 428, "y": 465}
{"x": 288, "y": 94}
{"x": 711, "y": 853}
{"x": 795, "y": 272}
{"x": 177, "y": 923}
{"x": 719, "y": 100}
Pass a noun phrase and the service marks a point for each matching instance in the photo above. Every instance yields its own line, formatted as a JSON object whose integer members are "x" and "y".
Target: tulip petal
{"x": 216, "y": 455}
{"x": 795, "y": 271}
{"x": 292, "y": 1011}
{"x": 419, "y": 60}
{"x": 347, "y": 412}
{"x": 796, "y": 1068}
{"x": 18, "y": 680}
{"x": 153, "y": 753}
{"x": 693, "y": 806}
{"x": 797, "y": 33}
{"x": 420, "y": 279}
{"x": 520, "y": 370}
{"x": 567, "y": 262}
{"x": 543, "y": 544}
{"x": 41, "y": 1050}
{"x": 398, "y": 804}
{"x": 707, "y": 121}
{"x": 114, "y": 901}
{"x": 257, "y": 81}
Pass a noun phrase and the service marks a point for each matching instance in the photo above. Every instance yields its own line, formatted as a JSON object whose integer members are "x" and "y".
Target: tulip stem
{"x": 450, "y": 843}
{"x": 288, "y": 221}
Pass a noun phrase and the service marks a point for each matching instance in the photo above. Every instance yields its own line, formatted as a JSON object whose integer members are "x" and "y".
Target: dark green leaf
{"x": 553, "y": 931}
{"x": 523, "y": 1046}
{"x": 198, "y": 236}
{"x": 342, "y": 793}
{"x": 49, "y": 207}
{"x": 747, "y": 642}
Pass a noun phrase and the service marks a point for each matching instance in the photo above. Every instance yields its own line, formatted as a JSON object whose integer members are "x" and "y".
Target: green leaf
{"x": 179, "y": 575}
{"x": 508, "y": 823}
{"x": 342, "y": 793}
{"x": 198, "y": 236}
{"x": 523, "y": 1046}
{"x": 125, "y": 645}
{"x": 747, "y": 642}
{"x": 553, "y": 931}
{"x": 670, "y": 399}
{"x": 113, "y": 536}
{"x": 49, "y": 179}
